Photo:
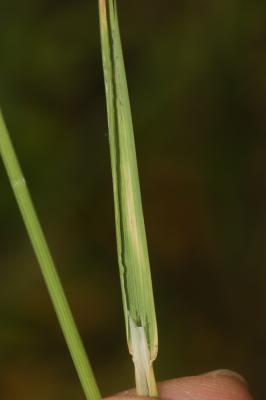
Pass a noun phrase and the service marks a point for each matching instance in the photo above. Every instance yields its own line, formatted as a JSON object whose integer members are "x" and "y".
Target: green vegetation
{"x": 47, "y": 266}
{"x": 196, "y": 73}
{"x": 133, "y": 256}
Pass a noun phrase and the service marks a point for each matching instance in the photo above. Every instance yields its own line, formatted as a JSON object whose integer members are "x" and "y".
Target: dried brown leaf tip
{"x": 103, "y": 12}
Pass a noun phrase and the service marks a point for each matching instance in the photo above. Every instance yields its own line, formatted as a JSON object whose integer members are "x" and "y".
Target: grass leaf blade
{"x": 133, "y": 256}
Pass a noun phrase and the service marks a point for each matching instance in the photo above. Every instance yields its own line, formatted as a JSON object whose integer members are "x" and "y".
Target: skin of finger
{"x": 202, "y": 387}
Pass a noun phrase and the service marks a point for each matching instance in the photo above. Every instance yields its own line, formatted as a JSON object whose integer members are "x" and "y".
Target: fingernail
{"x": 228, "y": 373}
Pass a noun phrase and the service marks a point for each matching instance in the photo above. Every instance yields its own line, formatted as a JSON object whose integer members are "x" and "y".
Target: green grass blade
{"x": 47, "y": 266}
{"x": 133, "y": 256}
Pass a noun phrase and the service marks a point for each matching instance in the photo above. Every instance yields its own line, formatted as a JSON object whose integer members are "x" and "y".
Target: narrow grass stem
{"x": 47, "y": 265}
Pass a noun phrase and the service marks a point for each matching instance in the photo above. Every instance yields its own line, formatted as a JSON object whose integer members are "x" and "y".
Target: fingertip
{"x": 211, "y": 386}
{"x": 227, "y": 373}
{"x": 215, "y": 385}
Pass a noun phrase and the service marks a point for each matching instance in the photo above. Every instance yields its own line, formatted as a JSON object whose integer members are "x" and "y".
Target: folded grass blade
{"x": 47, "y": 266}
{"x": 133, "y": 257}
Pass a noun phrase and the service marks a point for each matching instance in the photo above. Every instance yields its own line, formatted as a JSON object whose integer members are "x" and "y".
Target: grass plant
{"x": 47, "y": 265}
{"x": 133, "y": 259}
{"x": 135, "y": 276}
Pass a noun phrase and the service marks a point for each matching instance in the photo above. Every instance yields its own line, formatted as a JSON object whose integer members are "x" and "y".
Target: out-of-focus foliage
{"x": 196, "y": 72}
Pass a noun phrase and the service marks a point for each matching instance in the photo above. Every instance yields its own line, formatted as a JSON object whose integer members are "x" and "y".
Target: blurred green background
{"x": 196, "y": 72}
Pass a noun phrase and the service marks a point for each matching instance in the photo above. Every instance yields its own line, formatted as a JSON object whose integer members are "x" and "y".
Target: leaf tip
{"x": 103, "y": 12}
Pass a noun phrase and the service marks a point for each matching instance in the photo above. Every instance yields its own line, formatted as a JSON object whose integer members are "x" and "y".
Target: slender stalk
{"x": 135, "y": 276}
{"x": 47, "y": 265}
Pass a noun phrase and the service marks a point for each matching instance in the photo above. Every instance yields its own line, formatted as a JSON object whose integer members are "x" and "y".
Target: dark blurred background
{"x": 196, "y": 73}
